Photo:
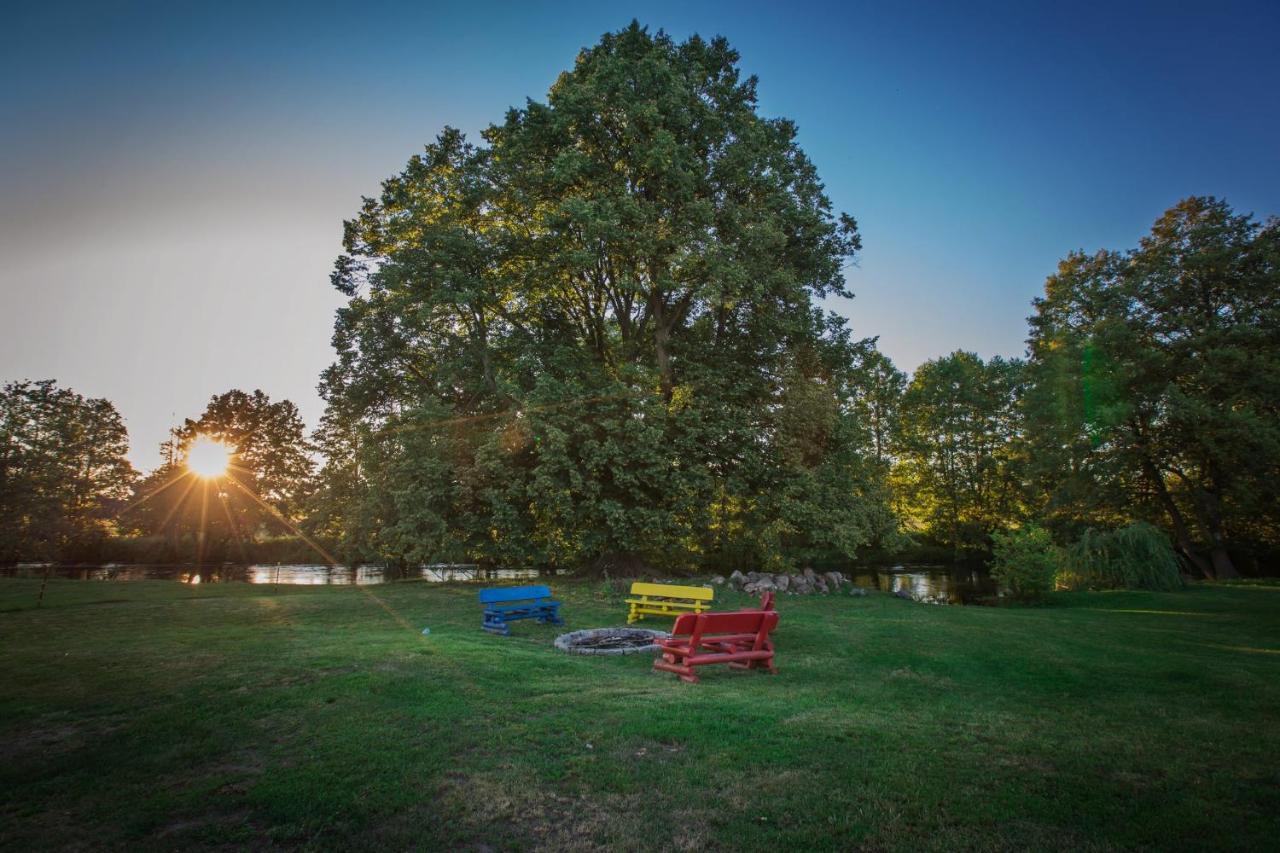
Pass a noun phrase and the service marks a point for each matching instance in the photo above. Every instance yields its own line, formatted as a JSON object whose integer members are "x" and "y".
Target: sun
{"x": 208, "y": 458}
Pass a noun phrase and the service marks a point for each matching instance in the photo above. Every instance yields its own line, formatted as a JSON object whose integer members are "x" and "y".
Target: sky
{"x": 174, "y": 177}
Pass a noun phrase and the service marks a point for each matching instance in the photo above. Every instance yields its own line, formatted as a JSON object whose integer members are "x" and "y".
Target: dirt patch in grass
{"x": 498, "y": 814}
{"x": 49, "y": 737}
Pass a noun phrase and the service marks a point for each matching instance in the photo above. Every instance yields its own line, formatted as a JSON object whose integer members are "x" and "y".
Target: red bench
{"x": 738, "y": 639}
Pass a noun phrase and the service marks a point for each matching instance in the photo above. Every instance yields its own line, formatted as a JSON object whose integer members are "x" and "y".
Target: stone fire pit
{"x": 609, "y": 641}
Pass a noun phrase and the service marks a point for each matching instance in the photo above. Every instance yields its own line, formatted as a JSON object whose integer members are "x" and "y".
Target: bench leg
{"x": 685, "y": 673}
{"x": 496, "y": 626}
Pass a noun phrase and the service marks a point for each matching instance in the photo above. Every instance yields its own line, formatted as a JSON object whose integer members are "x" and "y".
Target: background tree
{"x": 586, "y": 342}
{"x": 263, "y": 492}
{"x": 959, "y": 466}
{"x": 877, "y": 398}
{"x": 1157, "y": 377}
{"x": 63, "y": 472}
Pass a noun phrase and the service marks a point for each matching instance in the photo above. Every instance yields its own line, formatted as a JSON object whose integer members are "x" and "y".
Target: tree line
{"x": 595, "y": 341}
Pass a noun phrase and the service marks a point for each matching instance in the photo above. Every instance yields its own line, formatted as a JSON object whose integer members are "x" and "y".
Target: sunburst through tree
{"x": 236, "y": 475}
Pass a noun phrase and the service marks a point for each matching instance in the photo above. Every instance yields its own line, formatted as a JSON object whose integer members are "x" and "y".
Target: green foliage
{"x": 63, "y": 472}
{"x": 878, "y": 399}
{"x": 958, "y": 476}
{"x": 595, "y": 340}
{"x": 157, "y": 549}
{"x": 1026, "y": 561}
{"x": 1137, "y": 556}
{"x": 1156, "y": 384}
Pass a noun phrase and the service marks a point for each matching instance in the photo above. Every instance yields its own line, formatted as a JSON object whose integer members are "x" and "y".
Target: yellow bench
{"x": 665, "y": 599}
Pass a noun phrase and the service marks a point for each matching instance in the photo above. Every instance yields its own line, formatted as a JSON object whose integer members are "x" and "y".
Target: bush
{"x": 1135, "y": 557}
{"x": 1026, "y": 561}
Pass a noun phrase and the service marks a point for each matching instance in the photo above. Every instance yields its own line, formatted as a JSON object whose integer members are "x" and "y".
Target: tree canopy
{"x": 595, "y": 338}
{"x": 959, "y": 470}
{"x": 1157, "y": 375}
{"x": 63, "y": 471}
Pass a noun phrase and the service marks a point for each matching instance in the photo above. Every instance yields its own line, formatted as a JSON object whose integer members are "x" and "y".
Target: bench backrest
{"x": 744, "y": 622}
{"x": 501, "y": 594}
{"x": 670, "y": 590}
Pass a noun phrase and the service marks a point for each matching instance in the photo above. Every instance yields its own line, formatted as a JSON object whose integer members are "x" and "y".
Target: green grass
{"x": 157, "y": 715}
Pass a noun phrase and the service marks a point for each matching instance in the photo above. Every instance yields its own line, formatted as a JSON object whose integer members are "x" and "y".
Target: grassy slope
{"x": 156, "y": 714}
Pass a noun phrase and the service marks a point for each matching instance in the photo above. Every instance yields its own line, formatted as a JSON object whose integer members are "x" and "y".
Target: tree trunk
{"x": 1181, "y": 534}
{"x": 661, "y": 338}
{"x": 1223, "y": 567}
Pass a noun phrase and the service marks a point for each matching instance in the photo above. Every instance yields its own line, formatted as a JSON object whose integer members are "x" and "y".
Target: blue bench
{"x": 508, "y": 603}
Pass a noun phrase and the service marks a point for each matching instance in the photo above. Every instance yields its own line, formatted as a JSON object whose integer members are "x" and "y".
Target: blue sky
{"x": 173, "y": 178}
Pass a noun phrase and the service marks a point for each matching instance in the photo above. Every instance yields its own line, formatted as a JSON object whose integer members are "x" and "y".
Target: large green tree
{"x": 63, "y": 472}
{"x": 594, "y": 339}
{"x": 958, "y": 474}
{"x": 1157, "y": 381}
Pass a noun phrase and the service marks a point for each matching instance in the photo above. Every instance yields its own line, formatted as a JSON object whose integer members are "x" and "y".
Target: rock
{"x": 857, "y": 592}
{"x": 903, "y": 594}
{"x": 801, "y": 585}
{"x": 821, "y": 586}
{"x": 809, "y": 573}
{"x": 782, "y": 582}
{"x": 752, "y": 577}
{"x": 833, "y": 579}
{"x": 765, "y": 584}
{"x": 737, "y": 579}
{"x": 718, "y": 580}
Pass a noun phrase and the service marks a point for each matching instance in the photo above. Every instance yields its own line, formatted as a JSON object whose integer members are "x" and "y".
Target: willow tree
{"x": 1157, "y": 380}
{"x": 595, "y": 338}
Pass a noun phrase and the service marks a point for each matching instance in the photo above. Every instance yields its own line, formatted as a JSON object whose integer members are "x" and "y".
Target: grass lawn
{"x": 157, "y": 715}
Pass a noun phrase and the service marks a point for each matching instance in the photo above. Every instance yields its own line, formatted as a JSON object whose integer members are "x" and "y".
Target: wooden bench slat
{"x": 671, "y": 590}
{"x": 666, "y": 599}
{"x": 499, "y": 594}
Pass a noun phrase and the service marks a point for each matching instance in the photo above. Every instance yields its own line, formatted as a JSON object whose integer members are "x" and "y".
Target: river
{"x": 934, "y": 584}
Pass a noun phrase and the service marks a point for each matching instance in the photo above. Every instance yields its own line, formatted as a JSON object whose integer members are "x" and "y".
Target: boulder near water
{"x": 804, "y": 582}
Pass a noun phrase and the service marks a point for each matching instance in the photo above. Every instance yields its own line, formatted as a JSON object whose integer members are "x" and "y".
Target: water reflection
{"x": 933, "y": 584}
{"x": 294, "y": 574}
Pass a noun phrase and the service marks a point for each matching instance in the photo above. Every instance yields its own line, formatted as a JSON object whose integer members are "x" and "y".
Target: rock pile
{"x": 804, "y": 583}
